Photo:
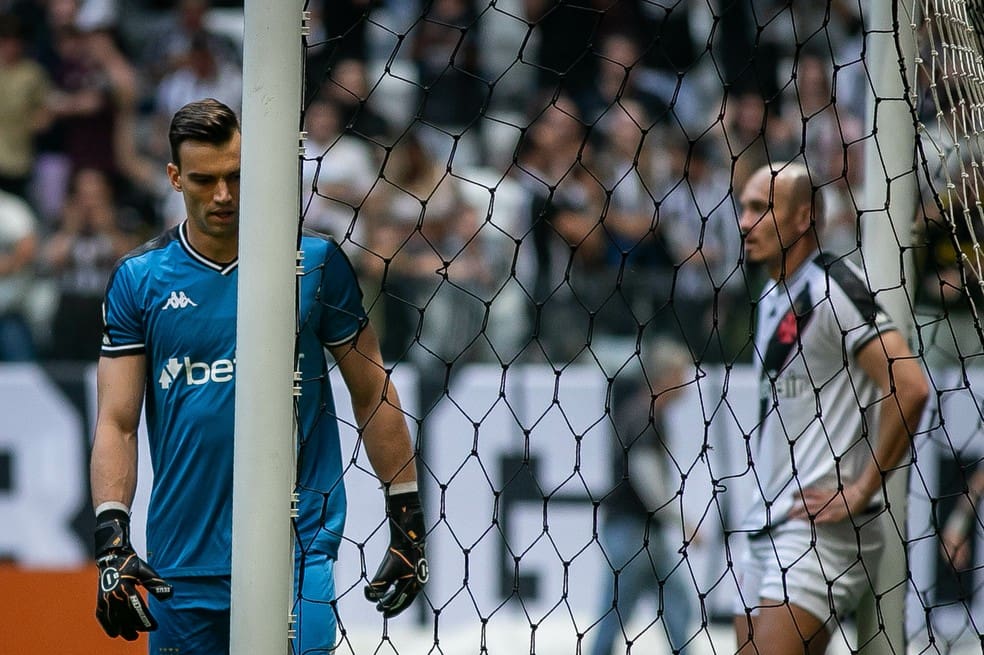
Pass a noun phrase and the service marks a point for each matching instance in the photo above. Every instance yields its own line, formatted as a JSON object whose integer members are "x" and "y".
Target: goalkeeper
{"x": 170, "y": 341}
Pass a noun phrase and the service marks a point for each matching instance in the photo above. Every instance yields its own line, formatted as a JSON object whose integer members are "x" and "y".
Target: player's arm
{"x": 888, "y": 361}
{"x": 376, "y": 405}
{"x": 120, "y": 389}
{"x": 120, "y": 608}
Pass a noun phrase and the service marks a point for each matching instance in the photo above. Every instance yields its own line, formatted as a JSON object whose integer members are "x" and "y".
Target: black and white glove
{"x": 120, "y": 608}
{"x": 403, "y": 571}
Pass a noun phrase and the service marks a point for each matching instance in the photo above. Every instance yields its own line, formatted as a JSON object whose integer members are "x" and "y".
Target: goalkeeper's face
{"x": 208, "y": 179}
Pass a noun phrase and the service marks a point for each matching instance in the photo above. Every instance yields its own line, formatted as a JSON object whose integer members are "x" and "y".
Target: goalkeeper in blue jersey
{"x": 170, "y": 343}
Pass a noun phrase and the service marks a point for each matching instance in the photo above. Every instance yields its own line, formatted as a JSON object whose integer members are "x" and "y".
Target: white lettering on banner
{"x": 41, "y": 431}
{"x": 531, "y": 421}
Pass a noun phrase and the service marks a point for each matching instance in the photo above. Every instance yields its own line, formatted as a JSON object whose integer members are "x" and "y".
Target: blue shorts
{"x": 195, "y": 621}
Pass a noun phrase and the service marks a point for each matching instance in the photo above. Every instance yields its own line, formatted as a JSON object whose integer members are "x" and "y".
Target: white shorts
{"x": 826, "y": 576}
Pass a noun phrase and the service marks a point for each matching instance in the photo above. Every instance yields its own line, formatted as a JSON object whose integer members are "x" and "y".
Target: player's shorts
{"x": 824, "y": 569}
{"x": 195, "y": 621}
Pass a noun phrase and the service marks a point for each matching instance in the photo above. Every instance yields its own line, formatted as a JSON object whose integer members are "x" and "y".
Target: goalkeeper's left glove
{"x": 120, "y": 608}
{"x": 403, "y": 571}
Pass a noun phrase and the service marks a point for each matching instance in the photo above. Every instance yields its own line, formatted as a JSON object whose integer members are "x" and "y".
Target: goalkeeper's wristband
{"x": 112, "y": 532}
{"x": 406, "y": 517}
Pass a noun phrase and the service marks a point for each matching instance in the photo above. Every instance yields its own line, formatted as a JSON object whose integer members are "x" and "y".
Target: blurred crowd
{"x": 523, "y": 180}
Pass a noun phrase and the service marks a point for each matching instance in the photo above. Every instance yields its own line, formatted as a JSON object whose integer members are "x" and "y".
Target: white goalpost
{"x": 262, "y": 563}
{"x": 890, "y": 198}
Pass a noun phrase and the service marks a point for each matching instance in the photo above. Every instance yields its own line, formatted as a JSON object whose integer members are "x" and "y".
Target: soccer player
{"x": 170, "y": 334}
{"x": 840, "y": 397}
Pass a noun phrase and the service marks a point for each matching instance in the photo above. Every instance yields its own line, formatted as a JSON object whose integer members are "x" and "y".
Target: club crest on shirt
{"x": 788, "y": 328}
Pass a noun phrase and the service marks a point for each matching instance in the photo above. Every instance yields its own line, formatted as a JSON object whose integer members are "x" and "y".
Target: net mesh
{"x": 541, "y": 203}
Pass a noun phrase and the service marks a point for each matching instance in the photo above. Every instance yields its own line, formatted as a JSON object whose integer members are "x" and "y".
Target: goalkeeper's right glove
{"x": 403, "y": 571}
{"x": 120, "y": 608}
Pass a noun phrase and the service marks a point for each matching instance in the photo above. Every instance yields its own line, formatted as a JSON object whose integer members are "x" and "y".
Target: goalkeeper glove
{"x": 120, "y": 608}
{"x": 403, "y": 572}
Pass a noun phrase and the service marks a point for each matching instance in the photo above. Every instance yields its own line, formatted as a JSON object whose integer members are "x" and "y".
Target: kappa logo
{"x": 178, "y": 300}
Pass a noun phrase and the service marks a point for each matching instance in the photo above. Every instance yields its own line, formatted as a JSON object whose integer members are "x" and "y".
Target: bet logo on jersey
{"x": 196, "y": 373}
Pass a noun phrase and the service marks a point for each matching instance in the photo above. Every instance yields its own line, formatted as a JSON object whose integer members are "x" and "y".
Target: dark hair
{"x": 11, "y": 27}
{"x": 206, "y": 120}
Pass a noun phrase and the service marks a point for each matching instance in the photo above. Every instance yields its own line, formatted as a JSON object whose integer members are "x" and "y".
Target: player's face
{"x": 208, "y": 178}
{"x": 767, "y": 221}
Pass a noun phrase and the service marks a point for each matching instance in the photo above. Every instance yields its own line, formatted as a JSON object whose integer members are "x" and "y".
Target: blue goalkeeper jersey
{"x": 178, "y": 308}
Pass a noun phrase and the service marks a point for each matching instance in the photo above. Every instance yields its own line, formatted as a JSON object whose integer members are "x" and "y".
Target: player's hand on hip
{"x": 121, "y": 609}
{"x": 403, "y": 571}
{"x": 819, "y": 505}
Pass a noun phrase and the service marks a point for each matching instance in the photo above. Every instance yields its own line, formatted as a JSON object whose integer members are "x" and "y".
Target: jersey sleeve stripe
{"x": 348, "y": 338}
{"x": 872, "y": 335}
{"x": 119, "y": 351}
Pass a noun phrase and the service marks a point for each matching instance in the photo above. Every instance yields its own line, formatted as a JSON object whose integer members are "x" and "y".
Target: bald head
{"x": 790, "y": 184}
{"x": 781, "y": 212}
{"x": 793, "y": 181}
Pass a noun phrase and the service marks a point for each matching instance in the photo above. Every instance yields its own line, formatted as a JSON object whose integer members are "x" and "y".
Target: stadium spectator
{"x": 827, "y": 126}
{"x": 93, "y": 233}
{"x": 338, "y": 171}
{"x": 123, "y": 82}
{"x": 166, "y": 46}
{"x": 948, "y": 288}
{"x": 551, "y": 168}
{"x": 754, "y": 133}
{"x": 94, "y": 105}
{"x": 427, "y": 257}
{"x": 617, "y": 78}
{"x": 51, "y": 168}
{"x": 829, "y": 135}
{"x": 23, "y": 107}
{"x": 697, "y": 217}
{"x": 642, "y": 532}
{"x": 634, "y": 161}
{"x": 669, "y": 61}
{"x": 564, "y": 34}
{"x": 348, "y": 87}
{"x": 19, "y": 238}
{"x": 170, "y": 309}
{"x": 451, "y": 88}
{"x": 201, "y": 74}
{"x": 841, "y": 396}
{"x": 339, "y": 31}
{"x": 585, "y": 310}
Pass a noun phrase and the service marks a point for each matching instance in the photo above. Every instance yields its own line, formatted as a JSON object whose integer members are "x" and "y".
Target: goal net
{"x": 541, "y": 202}
{"x": 945, "y": 599}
